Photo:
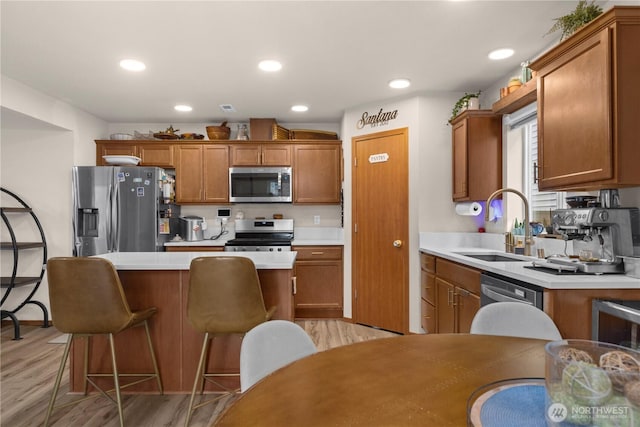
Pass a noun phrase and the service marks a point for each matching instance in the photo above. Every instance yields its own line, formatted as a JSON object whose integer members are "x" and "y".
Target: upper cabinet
{"x": 270, "y": 154}
{"x": 202, "y": 173}
{"x": 151, "y": 153}
{"x": 477, "y": 155}
{"x": 317, "y": 173}
{"x": 588, "y": 108}
{"x": 202, "y": 168}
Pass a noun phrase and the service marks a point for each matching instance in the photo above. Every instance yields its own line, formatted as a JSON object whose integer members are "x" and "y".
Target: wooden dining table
{"x": 421, "y": 380}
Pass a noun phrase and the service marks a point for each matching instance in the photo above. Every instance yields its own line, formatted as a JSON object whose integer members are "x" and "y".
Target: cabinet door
{"x": 460, "y": 189}
{"x": 467, "y": 305}
{"x": 114, "y": 149}
{"x": 189, "y": 173}
{"x": 276, "y": 155}
{"x": 319, "y": 283}
{"x": 245, "y": 155}
{"x": 216, "y": 174}
{"x": 318, "y": 289}
{"x": 444, "y": 307}
{"x": 316, "y": 174}
{"x": 575, "y": 142}
{"x": 428, "y": 286}
{"x": 156, "y": 155}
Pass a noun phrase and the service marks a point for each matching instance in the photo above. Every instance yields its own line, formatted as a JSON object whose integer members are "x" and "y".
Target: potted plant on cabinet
{"x": 467, "y": 101}
{"x": 582, "y": 14}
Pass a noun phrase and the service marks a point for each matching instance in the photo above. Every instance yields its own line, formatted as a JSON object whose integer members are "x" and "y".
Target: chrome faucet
{"x": 527, "y": 229}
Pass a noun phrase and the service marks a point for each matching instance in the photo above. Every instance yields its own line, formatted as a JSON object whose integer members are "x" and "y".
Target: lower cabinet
{"x": 457, "y": 295}
{"x": 318, "y": 282}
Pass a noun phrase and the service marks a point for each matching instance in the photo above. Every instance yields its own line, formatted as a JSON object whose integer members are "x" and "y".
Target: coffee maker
{"x": 600, "y": 236}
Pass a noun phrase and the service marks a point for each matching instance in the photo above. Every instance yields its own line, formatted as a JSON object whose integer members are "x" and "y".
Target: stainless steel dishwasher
{"x": 497, "y": 288}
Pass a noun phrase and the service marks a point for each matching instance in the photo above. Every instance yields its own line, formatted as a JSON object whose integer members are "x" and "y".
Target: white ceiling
{"x": 335, "y": 54}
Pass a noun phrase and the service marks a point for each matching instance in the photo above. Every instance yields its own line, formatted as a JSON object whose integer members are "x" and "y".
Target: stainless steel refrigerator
{"x": 120, "y": 209}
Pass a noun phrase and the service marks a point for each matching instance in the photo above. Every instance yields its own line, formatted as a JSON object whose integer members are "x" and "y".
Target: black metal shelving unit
{"x": 9, "y": 283}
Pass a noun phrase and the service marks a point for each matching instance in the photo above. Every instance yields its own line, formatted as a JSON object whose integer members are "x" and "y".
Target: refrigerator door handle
{"x": 74, "y": 218}
{"x": 114, "y": 221}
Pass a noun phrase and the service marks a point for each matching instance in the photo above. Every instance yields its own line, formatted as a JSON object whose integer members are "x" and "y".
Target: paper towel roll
{"x": 473, "y": 208}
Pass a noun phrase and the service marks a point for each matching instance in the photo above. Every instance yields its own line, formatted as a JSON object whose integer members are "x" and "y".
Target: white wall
{"x": 42, "y": 138}
{"x": 430, "y": 204}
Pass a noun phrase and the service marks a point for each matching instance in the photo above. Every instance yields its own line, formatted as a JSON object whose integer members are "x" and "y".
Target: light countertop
{"x": 451, "y": 245}
{"x": 182, "y": 260}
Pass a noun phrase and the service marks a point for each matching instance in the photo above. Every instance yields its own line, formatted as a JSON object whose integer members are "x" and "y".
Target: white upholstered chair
{"x": 270, "y": 346}
{"x": 516, "y": 320}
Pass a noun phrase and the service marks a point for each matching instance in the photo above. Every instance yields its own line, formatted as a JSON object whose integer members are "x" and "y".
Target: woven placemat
{"x": 511, "y": 405}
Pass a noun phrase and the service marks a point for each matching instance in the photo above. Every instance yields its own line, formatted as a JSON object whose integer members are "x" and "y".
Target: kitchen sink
{"x": 493, "y": 257}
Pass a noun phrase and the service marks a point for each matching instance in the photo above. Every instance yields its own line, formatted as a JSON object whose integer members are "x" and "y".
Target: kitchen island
{"x": 161, "y": 279}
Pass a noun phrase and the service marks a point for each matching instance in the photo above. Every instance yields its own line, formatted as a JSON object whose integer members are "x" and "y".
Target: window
{"x": 541, "y": 203}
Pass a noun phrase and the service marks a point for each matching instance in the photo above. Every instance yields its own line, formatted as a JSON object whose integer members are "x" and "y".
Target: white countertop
{"x": 450, "y": 245}
{"x": 182, "y": 260}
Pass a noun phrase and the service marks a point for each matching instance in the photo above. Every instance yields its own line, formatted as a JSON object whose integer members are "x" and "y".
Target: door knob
{"x": 397, "y": 243}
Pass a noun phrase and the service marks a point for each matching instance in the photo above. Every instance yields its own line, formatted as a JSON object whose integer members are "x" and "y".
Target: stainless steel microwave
{"x": 260, "y": 185}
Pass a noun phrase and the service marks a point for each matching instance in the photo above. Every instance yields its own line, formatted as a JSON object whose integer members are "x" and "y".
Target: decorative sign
{"x": 379, "y": 158}
{"x": 373, "y": 120}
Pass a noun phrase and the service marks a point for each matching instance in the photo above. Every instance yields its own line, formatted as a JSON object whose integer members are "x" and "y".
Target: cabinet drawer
{"x": 428, "y": 287}
{"x": 318, "y": 252}
{"x": 428, "y": 321}
{"x": 465, "y": 277}
{"x": 428, "y": 263}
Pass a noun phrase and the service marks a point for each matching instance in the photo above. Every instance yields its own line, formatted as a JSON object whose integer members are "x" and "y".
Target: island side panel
{"x": 176, "y": 343}
{"x": 570, "y": 309}
{"x": 160, "y": 289}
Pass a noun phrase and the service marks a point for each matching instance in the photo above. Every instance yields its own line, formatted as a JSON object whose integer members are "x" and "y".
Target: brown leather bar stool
{"x": 87, "y": 299}
{"x": 224, "y": 298}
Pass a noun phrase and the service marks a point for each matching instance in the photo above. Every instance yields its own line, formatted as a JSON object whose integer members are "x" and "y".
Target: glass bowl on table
{"x": 591, "y": 383}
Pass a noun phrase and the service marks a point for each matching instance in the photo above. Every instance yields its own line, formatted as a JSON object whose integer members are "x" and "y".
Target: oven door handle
{"x": 498, "y": 296}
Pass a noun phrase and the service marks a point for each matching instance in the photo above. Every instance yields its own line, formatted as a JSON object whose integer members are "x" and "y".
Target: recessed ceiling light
{"x": 182, "y": 107}
{"x": 132, "y": 65}
{"x": 399, "y": 83}
{"x": 270, "y": 65}
{"x": 500, "y": 54}
{"x": 299, "y": 108}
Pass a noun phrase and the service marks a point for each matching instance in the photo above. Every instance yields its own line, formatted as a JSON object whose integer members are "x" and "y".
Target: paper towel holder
{"x": 468, "y": 209}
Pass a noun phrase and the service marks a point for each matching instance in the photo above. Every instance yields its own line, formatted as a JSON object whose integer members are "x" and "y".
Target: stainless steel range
{"x": 261, "y": 235}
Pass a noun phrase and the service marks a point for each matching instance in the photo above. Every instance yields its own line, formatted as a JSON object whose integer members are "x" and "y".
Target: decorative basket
{"x": 279, "y": 132}
{"x": 219, "y": 132}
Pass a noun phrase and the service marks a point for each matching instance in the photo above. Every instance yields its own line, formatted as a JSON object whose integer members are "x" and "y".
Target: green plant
{"x": 463, "y": 103}
{"x": 583, "y": 13}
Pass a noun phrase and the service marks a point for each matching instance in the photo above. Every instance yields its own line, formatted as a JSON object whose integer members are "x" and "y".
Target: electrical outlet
{"x": 316, "y": 219}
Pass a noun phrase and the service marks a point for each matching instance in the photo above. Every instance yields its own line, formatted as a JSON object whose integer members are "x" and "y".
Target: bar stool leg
{"x": 56, "y": 386}
{"x": 153, "y": 357}
{"x": 85, "y": 365}
{"x": 195, "y": 382}
{"x": 116, "y": 380}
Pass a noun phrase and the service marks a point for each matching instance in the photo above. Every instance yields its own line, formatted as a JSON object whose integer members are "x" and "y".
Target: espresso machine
{"x": 599, "y": 236}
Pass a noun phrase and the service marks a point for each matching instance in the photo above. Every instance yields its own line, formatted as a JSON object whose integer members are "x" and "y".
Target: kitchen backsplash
{"x": 303, "y": 216}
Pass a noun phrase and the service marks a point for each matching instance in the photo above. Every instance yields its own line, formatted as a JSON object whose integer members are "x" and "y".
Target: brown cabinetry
{"x": 455, "y": 294}
{"x": 428, "y": 293}
{"x": 319, "y": 283}
{"x": 260, "y": 154}
{"x": 317, "y": 173}
{"x": 477, "y": 154}
{"x": 588, "y": 91}
{"x": 151, "y": 153}
{"x": 202, "y": 173}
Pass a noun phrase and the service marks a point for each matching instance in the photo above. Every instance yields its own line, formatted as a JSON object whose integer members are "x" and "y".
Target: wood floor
{"x": 28, "y": 369}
